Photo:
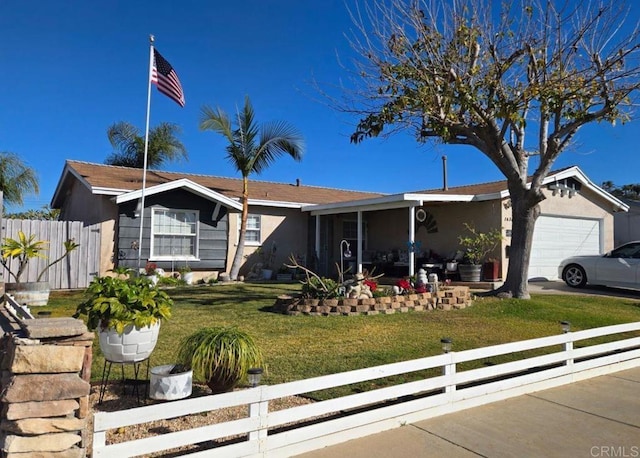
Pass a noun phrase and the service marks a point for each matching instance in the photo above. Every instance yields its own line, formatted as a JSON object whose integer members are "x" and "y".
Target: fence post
{"x": 568, "y": 345}
{"x": 449, "y": 372}
{"x": 259, "y": 409}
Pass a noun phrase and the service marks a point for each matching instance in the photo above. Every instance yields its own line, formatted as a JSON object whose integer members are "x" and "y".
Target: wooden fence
{"x": 556, "y": 361}
{"x": 76, "y": 270}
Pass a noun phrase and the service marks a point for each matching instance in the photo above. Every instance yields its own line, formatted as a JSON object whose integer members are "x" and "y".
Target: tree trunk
{"x": 237, "y": 259}
{"x": 525, "y": 211}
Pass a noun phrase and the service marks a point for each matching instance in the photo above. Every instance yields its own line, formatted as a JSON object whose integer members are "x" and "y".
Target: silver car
{"x": 619, "y": 268}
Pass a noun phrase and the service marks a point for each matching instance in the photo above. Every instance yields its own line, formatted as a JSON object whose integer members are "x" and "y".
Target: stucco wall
{"x": 81, "y": 205}
{"x": 286, "y": 227}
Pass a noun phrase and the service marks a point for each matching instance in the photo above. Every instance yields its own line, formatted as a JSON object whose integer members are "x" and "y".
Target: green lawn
{"x": 298, "y": 347}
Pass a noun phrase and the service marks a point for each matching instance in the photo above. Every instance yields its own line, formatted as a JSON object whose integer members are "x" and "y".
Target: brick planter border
{"x": 447, "y": 298}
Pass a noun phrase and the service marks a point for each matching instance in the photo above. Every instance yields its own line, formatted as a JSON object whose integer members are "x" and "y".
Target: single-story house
{"x": 194, "y": 219}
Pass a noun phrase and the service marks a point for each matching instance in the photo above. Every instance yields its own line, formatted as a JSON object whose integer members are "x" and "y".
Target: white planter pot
{"x": 169, "y": 387}
{"x": 188, "y": 277}
{"x": 32, "y": 293}
{"x": 132, "y": 346}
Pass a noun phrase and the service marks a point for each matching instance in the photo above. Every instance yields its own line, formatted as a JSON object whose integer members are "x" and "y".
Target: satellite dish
{"x": 421, "y": 215}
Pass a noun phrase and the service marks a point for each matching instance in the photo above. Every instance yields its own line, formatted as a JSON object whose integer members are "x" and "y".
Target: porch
{"x": 401, "y": 235}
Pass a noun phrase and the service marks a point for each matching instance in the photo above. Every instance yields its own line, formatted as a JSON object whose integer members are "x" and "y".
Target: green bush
{"x": 320, "y": 288}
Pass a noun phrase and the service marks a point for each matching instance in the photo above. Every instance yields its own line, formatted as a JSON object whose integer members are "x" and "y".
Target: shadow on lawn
{"x": 221, "y": 294}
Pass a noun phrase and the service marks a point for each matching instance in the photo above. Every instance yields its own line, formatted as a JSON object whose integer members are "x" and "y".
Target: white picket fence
{"x": 332, "y": 421}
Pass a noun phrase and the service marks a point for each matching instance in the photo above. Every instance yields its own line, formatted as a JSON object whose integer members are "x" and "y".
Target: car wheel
{"x": 574, "y": 276}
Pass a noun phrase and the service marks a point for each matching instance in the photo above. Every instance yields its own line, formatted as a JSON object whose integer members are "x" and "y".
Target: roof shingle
{"x": 130, "y": 179}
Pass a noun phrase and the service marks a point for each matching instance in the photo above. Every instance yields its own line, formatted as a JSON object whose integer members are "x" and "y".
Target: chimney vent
{"x": 298, "y": 182}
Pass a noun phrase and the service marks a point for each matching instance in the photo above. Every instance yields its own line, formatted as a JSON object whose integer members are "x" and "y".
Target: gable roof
{"x": 183, "y": 183}
{"x": 114, "y": 181}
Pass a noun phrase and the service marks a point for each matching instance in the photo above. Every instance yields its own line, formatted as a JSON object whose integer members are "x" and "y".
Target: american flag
{"x": 164, "y": 76}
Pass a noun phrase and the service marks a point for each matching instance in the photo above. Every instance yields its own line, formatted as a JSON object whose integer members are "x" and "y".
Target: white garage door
{"x": 556, "y": 238}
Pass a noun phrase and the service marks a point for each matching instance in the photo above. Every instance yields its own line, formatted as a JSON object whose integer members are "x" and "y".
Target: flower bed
{"x": 447, "y": 298}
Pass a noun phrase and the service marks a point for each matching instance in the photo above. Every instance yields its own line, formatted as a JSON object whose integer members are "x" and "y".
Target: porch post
{"x": 359, "y": 241}
{"x": 412, "y": 236}
{"x": 317, "y": 243}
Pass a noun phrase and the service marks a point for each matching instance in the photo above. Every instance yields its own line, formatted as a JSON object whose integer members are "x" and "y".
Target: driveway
{"x": 560, "y": 287}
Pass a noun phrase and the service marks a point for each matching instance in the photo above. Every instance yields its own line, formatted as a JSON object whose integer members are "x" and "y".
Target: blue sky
{"x": 72, "y": 68}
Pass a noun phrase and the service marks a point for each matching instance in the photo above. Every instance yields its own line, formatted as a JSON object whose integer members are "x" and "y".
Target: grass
{"x": 298, "y": 347}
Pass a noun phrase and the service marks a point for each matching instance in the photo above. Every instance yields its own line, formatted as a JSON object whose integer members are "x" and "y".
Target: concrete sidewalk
{"x": 599, "y": 417}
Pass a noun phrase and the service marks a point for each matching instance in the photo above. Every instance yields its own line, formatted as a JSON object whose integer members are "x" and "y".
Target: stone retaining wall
{"x": 447, "y": 298}
{"x": 44, "y": 389}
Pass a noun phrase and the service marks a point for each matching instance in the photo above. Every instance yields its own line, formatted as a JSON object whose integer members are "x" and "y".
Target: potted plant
{"x": 284, "y": 274}
{"x": 170, "y": 382}
{"x": 267, "y": 256}
{"x": 477, "y": 245}
{"x": 151, "y": 272}
{"x": 221, "y": 356}
{"x": 186, "y": 274}
{"x": 24, "y": 249}
{"x": 127, "y": 311}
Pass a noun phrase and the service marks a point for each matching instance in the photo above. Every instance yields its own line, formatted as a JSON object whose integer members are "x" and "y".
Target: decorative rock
{"x": 16, "y": 411}
{"x": 45, "y": 387}
{"x": 53, "y": 327}
{"x": 42, "y": 443}
{"x": 34, "y": 426}
{"x": 84, "y": 410}
{"x": 46, "y": 359}
{"x": 330, "y": 302}
{"x": 74, "y": 452}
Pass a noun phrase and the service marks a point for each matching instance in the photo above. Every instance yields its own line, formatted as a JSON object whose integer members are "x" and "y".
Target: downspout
{"x": 359, "y": 258}
{"x": 445, "y": 186}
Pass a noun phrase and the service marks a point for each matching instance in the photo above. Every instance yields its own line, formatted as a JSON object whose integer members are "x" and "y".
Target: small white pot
{"x": 188, "y": 277}
{"x": 169, "y": 387}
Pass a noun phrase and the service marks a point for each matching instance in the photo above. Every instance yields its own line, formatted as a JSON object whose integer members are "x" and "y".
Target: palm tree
{"x": 16, "y": 178}
{"x": 164, "y": 145}
{"x": 252, "y": 148}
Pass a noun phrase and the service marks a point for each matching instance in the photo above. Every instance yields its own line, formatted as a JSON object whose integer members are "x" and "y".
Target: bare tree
{"x": 492, "y": 75}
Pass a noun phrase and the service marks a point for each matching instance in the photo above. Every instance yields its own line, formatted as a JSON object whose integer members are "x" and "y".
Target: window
{"x": 174, "y": 234}
{"x": 253, "y": 236}
{"x": 350, "y": 233}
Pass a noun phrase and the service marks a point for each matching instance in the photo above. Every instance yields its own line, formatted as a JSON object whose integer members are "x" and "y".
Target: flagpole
{"x": 146, "y": 149}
